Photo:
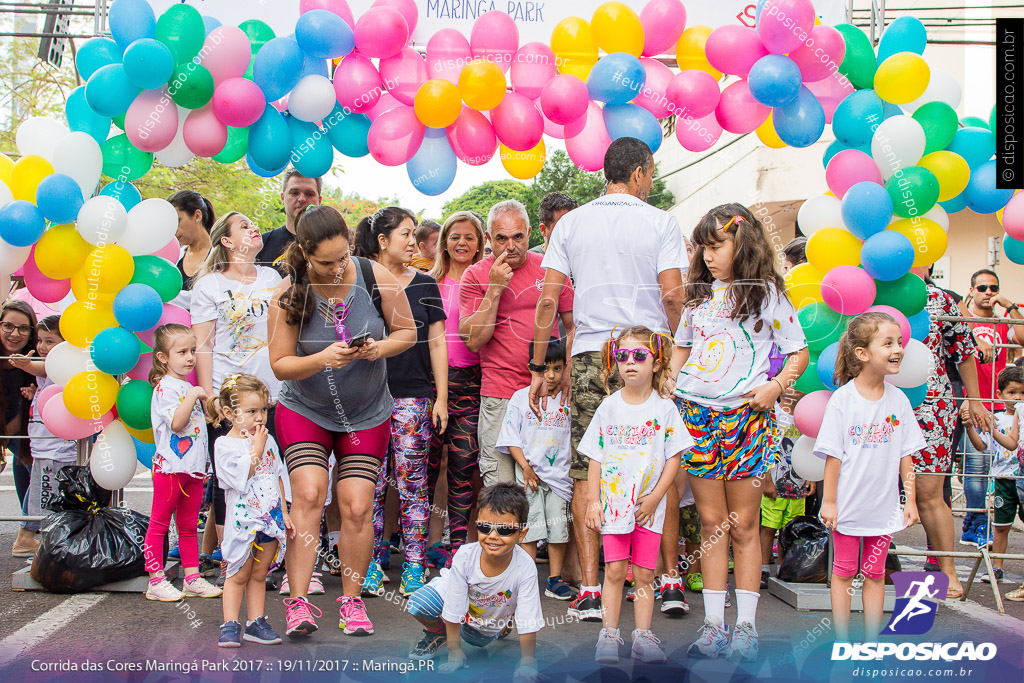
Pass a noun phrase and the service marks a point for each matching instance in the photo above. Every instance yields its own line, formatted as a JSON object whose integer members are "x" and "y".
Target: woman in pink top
{"x": 460, "y": 245}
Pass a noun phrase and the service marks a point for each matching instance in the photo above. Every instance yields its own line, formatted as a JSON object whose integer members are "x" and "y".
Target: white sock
{"x": 714, "y": 606}
{"x": 596, "y": 590}
{"x": 332, "y": 537}
{"x": 764, "y": 567}
{"x": 746, "y": 606}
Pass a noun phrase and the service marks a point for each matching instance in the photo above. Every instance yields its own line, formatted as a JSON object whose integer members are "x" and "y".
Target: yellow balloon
{"x": 575, "y": 47}
{"x": 83, "y": 320}
{"x": 106, "y": 270}
{"x": 6, "y": 164}
{"x": 523, "y": 165}
{"x": 766, "y": 134}
{"x": 61, "y": 251}
{"x": 690, "y": 51}
{"x": 803, "y": 285}
{"x": 950, "y": 169}
{"x": 618, "y": 29}
{"x": 927, "y": 236}
{"x": 90, "y": 395}
{"x": 438, "y": 103}
{"x": 87, "y": 289}
{"x": 143, "y": 435}
{"x": 902, "y": 78}
{"x": 831, "y": 247}
{"x": 482, "y": 85}
{"x": 26, "y": 174}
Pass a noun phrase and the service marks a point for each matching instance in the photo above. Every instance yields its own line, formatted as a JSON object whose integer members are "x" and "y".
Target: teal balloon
{"x": 94, "y": 54}
{"x": 130, "y": 20}
{"x": 81, "y": 117}
{"x": 109, "y": 91}
{"x": 982, "y": 193}
{"x": 124, "y": 192}
{"x": 801, "y": 122}
{"x": 631, "y": 121}
{"x": 312, "y": 152}
{"x": 262, "y": 172}
{"x": 975, "y": 145}
{"x": 836, "y": 147}
{"x": 432, "y": 169}
{"x": 854, "y": 117}
{"x": 1014, "y": 249}
{"x": 920, "y": 324}
{"x": 916, "y": 395}
{"x": 144, "y": 452}
{"x": 905, "y": 34}
{"x": 348, "y": 132}
{"x": 270, "y": 140}
{"x": 148, "y": 63}
{"x": 957, "y": 203}
{"x": 115, "y": 351}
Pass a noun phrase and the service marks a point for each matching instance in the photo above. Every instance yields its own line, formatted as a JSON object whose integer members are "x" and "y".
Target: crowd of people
{"x": 608, "y": 397}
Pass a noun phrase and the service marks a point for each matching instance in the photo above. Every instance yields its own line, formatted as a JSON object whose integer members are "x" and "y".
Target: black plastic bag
{"x": 85, "y": 545}
{"x": 804, "y": 545}
{"x": 892, "y": 564}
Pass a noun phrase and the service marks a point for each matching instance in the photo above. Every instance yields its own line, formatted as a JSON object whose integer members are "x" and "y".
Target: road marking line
{"x": 45, "y": 625}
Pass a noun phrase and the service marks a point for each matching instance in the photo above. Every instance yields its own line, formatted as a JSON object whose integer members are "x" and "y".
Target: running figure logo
{"x": 917, "y": 593}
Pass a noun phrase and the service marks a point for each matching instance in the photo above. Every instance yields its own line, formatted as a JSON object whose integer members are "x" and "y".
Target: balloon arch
{"x": 180, "y": 85}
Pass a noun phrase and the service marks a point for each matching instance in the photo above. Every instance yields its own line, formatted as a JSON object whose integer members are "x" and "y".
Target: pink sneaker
{"x": 353, "y": 617}
{"x": 299, "y": 615}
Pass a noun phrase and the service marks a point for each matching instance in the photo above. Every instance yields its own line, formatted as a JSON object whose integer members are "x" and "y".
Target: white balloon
{"x": 312, "y": 99}
{"x": 40, "y": 135}
{"x": 177, "y": 153}
{"x": 941, "y": 88}
{"x": 917, "y": 365}
{"x": 939, "y": 215}
{"x": 6, "y": 196}
{"x": 78, "y": 155}
{"x": 151, "y": 225}
{"x": 102, "y": 220}
{"x": 12, "y": 258}
{"x": 823, "y": 211}
{"x": 806, "y": 464}
{"x": 898, "y": 143}
{"x": 65, "y": 361}
{"x": 112, "y": 461}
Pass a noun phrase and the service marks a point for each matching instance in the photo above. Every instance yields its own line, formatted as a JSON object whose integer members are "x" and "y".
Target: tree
{"x": 560, "y": 174}
{"x": 353, "y": 206}
{"x": 481, "y": 198}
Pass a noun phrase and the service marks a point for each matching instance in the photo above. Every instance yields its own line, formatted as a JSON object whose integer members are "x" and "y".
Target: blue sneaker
{"x": 175, "y": 553}
{"x": 969, "y": 535}
{"x": 259, "y": 631}
{"x": 230, "y": 634}
{"x": 558, "y": 589}
{"x": 216, "y": 556}
{"x": 384, "y": 553}
{"x": 412, "y": 578}
{"x": 373, "y": 584}
{"x": 983, "y": 534}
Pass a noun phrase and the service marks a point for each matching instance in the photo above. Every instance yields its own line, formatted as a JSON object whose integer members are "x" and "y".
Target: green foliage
{"x": 353, "y": 206}
{"x": 481, "y": 198}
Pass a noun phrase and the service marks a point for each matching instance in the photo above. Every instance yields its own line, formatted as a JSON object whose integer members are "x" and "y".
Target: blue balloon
{"x": 115, "y": 351}
{"x": 887, "y": 255}
{"x": 975, "y": 145}
{"x": 21, "y": 223}
{"x": 348, "y": 132}
{"x": 889, "y": 109}
{"x": 982, "y": 193}
{"x": 148, "y": 63}
{"x": 920, "y": 324}
{"x": 827, "y": 365}
{"x": 312, "y": 152}
{"x": 262, "y": 172}
{"x": 957, "y": 203}
{"x": 124, "y": 192}
{"x": 130, "y": 20}
{"x": 270, "y": 139}
{"x": 854, "y": 118}
{"x": 144, "y": 452}
{"x": 59, "y": 198}
{"x": 905, "y": 34}
{"x": 774, "y": 80}
{"x": 96, "y": 53}
{"x": 138, "y": 307}
{"x": 1014, "y": 249}
{"x": 311, "y": 66}
{"x": 801, "y": 122}
{"x": 81, "y": 117}
{"x": 277, "y": 67}
{"x": 324, "y": 35}
{"x": 916, "y": 395}
{"x": 210, "y": 23}
{"x": 631, "y": 121}
{"x": 867, "y": 209}
{"x": 432, "y": 168}
{"x": 616, "y": 78}
{"x": 109, "y": 92}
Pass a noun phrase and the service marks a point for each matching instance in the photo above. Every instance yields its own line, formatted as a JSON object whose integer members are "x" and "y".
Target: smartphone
{"x": 358, "y": 341}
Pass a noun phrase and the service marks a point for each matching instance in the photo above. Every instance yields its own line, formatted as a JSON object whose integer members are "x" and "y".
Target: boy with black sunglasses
{"x": 491, "y": 584}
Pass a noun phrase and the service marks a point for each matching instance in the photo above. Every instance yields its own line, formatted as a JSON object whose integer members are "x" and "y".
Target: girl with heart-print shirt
{"x": 179, "y": 464}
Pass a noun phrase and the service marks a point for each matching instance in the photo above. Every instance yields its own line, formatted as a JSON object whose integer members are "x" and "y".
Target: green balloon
{"x": 236, "y": 146}
{"x": 809, "y": 381}
{"x": 119, "y": 121}
{"x": 259, "y": 34}
{"x": 159, "y": 274}
{"x": 992, "y": 119}
{"x": 144, "y": 348}
{"x": 907, "y": 294}
{"x": 913, "y": 191}
{"x": 123, "y": 160}
{"x": 940, "y": 125}
{"x": 182, "y": 30}
{"x": 974, "y": 122}
{"x": 821, "y": 325}
{"x": 133, "y": 404}
{"x": 191, "y": 86}
{"x": 859, "y": 64}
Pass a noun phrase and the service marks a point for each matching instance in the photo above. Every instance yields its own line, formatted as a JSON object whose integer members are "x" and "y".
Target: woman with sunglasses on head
{"x": 17, "y": 337}
{"x": 330, "y": 331}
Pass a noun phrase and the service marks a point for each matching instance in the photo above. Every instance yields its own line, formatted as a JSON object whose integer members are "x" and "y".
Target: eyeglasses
{"x": 20, "y": 329}
{"x": 639, "y": 355}
{"x": 987, "y": 288}
{"x": 341, "y": 332}
{"x": 504, "y": 530}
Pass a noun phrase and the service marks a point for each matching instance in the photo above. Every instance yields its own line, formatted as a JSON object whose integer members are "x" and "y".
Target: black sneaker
{"x": 673, "y": 600}
{"x": 995, "y": 570}
{"x": 429, "y": 645}
{"x": 208, "y": 566}
{"x": 259, "y": 631}
{"x": 272, "y": 583}
{"x": 764, "y": 578}
{"x": 586, "y": 607}
{"x": 230, "y": 634}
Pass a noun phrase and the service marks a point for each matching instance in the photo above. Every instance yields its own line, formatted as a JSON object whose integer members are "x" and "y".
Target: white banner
{"x": 534, "y": 18}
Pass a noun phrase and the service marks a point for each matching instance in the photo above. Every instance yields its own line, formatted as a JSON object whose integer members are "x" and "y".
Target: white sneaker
{"x": 646, "y": 647}
{"x": 607, "y": 651}
{"x": 744, "y": 642}
{"x": 201, "y": 588}
{"x": 163, "y": 592}
{"x": 712, "y": 642}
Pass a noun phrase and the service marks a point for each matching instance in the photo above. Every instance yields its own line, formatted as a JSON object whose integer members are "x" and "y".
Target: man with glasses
{"x": 984, "y": 296}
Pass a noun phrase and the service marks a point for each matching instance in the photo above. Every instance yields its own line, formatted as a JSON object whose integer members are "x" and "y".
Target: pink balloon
{"x": 849, "y": 167}
{"x": 532, "y": 67}
{"x": 238, "y": 102}
{"x": 44, "y": 396}
{"x": 142, "y": 368}
{"x": 447, "y": 52}
{"x": 386, "y": 103}
{"x": 403, "y": 74}
{"x": 693, "y": 93}
{"x": 848, "y": 290}
{"x": 381, "y": 32}
{"x": 472, "y": 137}
{"x": 697, "y": 135}
{"x": 785, "y": 24}
{"x": 170, "y": 251}
{"x": 900, "y": 318}
{"x": 810, "y": 411}
{"x": 226, "y": 53}
{"x": 589, "y": 140}
{"x": 551, "y": 129}
{"x": 733, "y": 49}
{"x": 41, "y": 287}
{"x": 62, "y": 423}
{"x": 339, "y": 7}
{"x": 171, "y": 314}
{"x": 395, "y": 136}
{"x": 1013, "y": 217}
{"x": 816, "y": 57}
{"x": 152, "y": 120}
{"x": 565, "y": 99}
{"x": 407, "y": 8}
{"x": 357, "y": 83}
{"x": 830, "y": 92}
{"x": 204, "y": 134}
{"x": 663, "y": 21}
{"x": 495, "y": 37}
{"x": 653, "y": 97}
{"x": 517, "y": 123}
{"x": 738, "y": 111}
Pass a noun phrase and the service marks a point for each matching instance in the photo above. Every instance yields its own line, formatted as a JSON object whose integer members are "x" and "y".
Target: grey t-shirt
{"x": 355, "y": 397}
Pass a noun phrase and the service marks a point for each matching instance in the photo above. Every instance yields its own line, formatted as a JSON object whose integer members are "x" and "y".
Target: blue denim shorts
{"x": 427, "y": 603}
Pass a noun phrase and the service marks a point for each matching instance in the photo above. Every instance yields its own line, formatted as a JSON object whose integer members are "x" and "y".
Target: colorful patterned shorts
{"x": 730, "y": 444}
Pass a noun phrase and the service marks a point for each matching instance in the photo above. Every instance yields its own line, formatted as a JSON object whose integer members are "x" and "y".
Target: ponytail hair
{"x": 315, "y": 225}
{"x": 659, "y": 343}
{"x": 190, "y": 201}
{"x": 219, "y": 257}
{"x": 383, "y": 222}
{"x": 857, "y": 336}
{"x": 162, "y": 339}
{"x": 233, "y": 386}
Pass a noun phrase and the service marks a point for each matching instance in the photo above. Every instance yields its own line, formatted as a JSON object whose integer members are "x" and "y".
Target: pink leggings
{"x": 847, "y": 549}
{"x": 182, "y": 495}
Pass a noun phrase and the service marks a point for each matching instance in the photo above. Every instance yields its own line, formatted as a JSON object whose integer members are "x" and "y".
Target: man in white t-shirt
{"x": 624, "y": 257}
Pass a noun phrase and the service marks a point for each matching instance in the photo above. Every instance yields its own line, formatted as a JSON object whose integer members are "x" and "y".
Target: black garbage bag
{"x": 85, "y": 544}
{"x": 892, "y": 564}
{"x": 804, "y": 545}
